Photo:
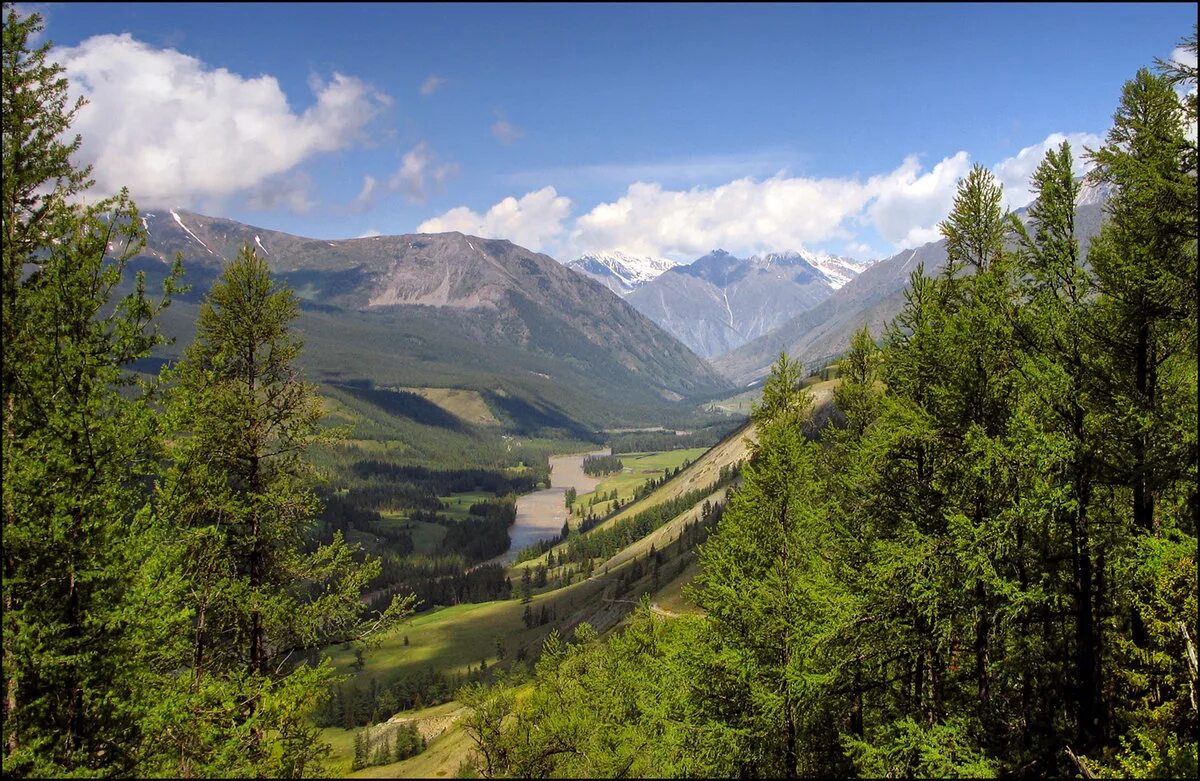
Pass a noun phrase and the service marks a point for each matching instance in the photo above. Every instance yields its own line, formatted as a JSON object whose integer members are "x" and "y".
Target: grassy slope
{"x": 466, "y": 405}
{"x": 639, "y": 467}
{"x": 455, "y": 639}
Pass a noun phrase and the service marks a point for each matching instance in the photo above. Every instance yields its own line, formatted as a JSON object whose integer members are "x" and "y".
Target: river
{"x": 540, "y": 515}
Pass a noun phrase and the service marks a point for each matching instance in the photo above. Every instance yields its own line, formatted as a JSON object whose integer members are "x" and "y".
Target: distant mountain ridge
{"x": 455, "y": 311}
{"x": 620, "y": 272}
{"x": 838, "y": 270}
{"x": 720, "y": 302}
{"x": 873, "y": 298}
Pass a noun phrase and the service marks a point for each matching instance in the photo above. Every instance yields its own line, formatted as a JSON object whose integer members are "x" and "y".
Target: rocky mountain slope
{"x": 720, "y": 302}
{"x": 873, "y": 298}
{"x": 455, "y": 311}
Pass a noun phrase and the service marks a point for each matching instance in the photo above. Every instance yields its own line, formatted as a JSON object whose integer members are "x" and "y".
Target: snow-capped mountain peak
{"x": 838, "y": 271}
{"x": 619, "y": 271}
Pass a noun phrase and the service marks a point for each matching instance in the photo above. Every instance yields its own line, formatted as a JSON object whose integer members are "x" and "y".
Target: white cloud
{"x": 431, "y": 85}
{"x": 903, "y": 207}
{"x": 368, "y": 234}
{"x": 860, "y": 251}
{"x": 506, "y": 132}
{"x": 535, "y": 220}
{"x": 177, "y": 131}
{"x": 420, "y": 170}
{"x": 910, "y": 204}
{"x": 366, "y": 196}
{"x": 1184, "y": 57}
{"x": 291, "y": 191}
{"x": 1014, "y": 172}
{"x": 743, "y": 215}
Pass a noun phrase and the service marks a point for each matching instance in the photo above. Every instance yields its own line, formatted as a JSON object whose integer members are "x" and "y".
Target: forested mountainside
{"x": 871, "y": 299}
{"x": 282, "y": 546}
{"x": 449, "y": 309}
{"x": 988, "y": 569}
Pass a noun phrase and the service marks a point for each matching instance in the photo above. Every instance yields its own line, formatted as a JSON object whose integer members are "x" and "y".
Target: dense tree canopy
{"x": 990, "y": 568}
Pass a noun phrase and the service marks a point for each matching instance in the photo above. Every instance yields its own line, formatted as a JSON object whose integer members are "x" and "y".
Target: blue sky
{"x": 664, "y": 130}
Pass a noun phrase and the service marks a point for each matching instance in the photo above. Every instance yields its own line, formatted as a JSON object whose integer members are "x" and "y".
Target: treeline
{"x": 439, "y": 580}
{"x": 485, "y": 534}
{"x": 395, "y": 744}
{"x": 449, "y": 575}
{"x": 597, "y": 466}
{"x": 990, "y": 568}
{"x": 604, "y": 543}
{"x": 352, "y": 704}
{"x": 655, "y": 441}
{"x": 166, "y": 578}
{"x": 440, "y": 482}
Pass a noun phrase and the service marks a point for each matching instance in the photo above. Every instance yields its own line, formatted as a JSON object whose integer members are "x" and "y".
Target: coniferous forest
{"x": 989, "y": 569}
{"x": 984, "y": 564}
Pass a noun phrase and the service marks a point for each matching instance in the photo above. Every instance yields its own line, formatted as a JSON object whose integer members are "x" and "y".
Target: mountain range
{"x": 619, "y": 272}
{"x": 455, "y": 311}
{"x": 720, "y": 302}
{"x": 873, "y": 298}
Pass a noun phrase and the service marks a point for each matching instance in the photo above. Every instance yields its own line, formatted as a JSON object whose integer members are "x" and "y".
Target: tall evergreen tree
{"x": 239, "y": 493}
{"x": 1145, "y": 263}
{"x": 767, "y": 589}
{"x": 80, "y": 442}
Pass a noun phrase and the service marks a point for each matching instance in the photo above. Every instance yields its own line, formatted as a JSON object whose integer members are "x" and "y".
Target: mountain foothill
{"x": 606, "y": 339}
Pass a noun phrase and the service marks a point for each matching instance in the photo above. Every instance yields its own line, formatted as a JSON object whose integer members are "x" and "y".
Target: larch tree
{"x": 80, "y": 443}
{"x": 239, "y": 493}
{"x": 767, "y": 588}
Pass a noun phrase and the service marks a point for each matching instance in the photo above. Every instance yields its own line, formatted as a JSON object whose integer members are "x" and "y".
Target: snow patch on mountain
{"x": 621, "y": 272}
{"x": 836, "y": 270}
{"x": 194, "y": 236}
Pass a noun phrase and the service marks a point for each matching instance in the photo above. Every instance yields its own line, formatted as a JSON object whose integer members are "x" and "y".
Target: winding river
{"x": 540, "y": 515}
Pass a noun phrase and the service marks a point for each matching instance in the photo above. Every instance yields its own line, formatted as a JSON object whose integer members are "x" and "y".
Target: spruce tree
{"x": 240, "y": 495}
{"x": 80, "y": 444}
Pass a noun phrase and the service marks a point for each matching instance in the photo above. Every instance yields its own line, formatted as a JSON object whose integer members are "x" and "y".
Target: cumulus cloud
{"x": 506, "y": 132}
{"x": 909, "y": 203}
{"x": 431, "y": 85}
{"x": 902, "y": 207}
{"x": 535, "y": 220}
{"x": 421, "y": 170}
{"x": 177, "y": 131}
{"x": 743, "y": 215}
{"x": 1014, "y": 172}
{"x": 371, "y": 232}
{"x": 291, "y": 191}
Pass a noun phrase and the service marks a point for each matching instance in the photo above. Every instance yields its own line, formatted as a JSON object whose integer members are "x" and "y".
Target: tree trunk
{"x": 1143, "y": 499}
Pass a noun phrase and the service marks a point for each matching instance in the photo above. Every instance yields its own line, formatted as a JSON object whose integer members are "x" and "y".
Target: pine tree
{"x": 239, "y": 494}
{"x": 760, "y": 580}
{"x": 80, "y": 443}
{"x": 1145, "y": 263}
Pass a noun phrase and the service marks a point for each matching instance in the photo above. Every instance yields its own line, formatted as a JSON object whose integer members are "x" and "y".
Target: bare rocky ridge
{"x": 720, "y": 302}
{"x": 873, "y": 298}
{"x": 505, "y": 303}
